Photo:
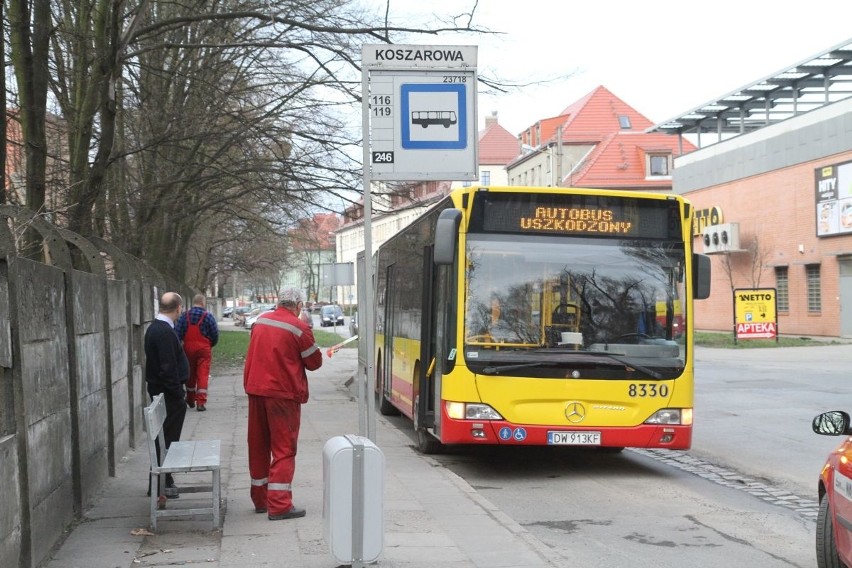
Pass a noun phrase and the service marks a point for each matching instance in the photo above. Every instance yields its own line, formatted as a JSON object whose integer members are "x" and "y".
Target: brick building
{"x": 774, "y": 171}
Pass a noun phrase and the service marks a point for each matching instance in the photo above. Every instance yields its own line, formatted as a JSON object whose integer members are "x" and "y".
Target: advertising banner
{"x": 833, "y": 195}
{"x": 755, "y": 314}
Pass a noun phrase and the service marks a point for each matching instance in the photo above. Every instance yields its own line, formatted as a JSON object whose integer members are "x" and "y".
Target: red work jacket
{"x": 281, "y": 349}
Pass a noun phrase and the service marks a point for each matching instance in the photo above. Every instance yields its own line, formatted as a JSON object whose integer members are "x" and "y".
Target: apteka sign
{"x": 755, "y": 313}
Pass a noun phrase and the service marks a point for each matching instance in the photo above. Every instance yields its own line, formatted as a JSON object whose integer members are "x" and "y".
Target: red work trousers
{"x": 199, "y": 356}
{"x": 273, "y": 432}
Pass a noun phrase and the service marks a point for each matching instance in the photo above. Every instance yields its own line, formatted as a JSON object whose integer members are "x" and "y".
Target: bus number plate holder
{"x": 573, "y": 438}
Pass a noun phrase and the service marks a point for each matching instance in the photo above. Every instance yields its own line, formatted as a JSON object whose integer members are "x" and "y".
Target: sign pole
{"x": 367, "y": 307}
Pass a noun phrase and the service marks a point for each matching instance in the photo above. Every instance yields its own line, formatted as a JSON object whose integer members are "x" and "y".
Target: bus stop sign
{"x": 421, "y": 111}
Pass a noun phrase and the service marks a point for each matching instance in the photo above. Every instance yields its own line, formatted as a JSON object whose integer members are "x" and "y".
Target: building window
{"x": 782, "y": 290}
{"x": 624, "y": 122}
{"x": 466, "y": 184}
{"x": 485, "y": 177}
{"x": 814, "y": 292}
{"x": 658, "y": 164}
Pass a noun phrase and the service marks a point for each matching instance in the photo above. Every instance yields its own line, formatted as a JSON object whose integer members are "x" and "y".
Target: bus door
{"x": 425, "y": 409}
{"x": 388, "y": 329}
{"x": 438, "y": 331}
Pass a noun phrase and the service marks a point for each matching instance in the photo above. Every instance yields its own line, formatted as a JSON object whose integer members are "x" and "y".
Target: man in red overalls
{"x": 280, "y": 350}
{"x": 198, "y": 330}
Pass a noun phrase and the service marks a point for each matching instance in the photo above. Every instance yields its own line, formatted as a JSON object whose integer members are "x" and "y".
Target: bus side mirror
{"x": 700, "y": 276}
{"x": 446, "y": 236}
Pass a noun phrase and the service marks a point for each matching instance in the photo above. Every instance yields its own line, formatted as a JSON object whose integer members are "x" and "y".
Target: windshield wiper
{"x": 495, "y": 370}
{"x": 632, "y": 365}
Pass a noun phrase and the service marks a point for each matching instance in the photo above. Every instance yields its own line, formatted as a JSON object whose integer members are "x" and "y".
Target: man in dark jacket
{"x": 166, "y": 371}
{"x": 281, "y": 348}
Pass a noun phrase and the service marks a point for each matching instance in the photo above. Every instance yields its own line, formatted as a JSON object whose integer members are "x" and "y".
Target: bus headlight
{"x": 471, "y": 411}
{"x": 681, "y": 416}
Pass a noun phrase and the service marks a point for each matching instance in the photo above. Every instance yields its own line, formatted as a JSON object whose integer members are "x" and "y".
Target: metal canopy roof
{"x": 817, "y": 81}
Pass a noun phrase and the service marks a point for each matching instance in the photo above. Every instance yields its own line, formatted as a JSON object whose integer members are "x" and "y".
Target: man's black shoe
{"x": 201, "y": 408}
{"x": 293, "y": 513}
{"x": 171, "y": 490}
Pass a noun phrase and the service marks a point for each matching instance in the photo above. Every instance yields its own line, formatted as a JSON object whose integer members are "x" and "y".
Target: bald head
{"x": 199, "y": 300}
{"x": 171, "y": 304}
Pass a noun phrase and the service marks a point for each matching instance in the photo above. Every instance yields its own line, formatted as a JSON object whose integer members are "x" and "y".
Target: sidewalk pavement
{"x": 432, "y": 516}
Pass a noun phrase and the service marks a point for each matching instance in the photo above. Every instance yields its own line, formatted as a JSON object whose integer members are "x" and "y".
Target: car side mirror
{"x": 833, "y": 423}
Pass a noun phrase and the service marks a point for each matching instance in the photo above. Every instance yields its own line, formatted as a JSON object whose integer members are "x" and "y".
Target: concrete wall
{"x": 39, "y": 294}
{"x": 93, "y": 396}
{"x": 72, "y": 383}
{"x": 119, "y": 370}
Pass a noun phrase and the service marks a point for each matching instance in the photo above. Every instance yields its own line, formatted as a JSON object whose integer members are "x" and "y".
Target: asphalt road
{"x": 744, "y": 495}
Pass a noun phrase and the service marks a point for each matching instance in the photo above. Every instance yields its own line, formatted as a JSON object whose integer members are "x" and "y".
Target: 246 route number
{"x": 382, "y": 157}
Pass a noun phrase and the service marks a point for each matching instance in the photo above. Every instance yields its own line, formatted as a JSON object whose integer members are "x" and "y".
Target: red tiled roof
{"x": 316, "y": 233}
{"x": 496, "y": 144}
{"x": 587, "y": 120}
{"x": 619, "y": 162}
{"x": 599, "y": 112}
{"x": 618, "y": 157}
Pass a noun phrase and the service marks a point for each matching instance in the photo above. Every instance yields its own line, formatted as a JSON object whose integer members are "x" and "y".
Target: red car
{"x": 834, "y": 523}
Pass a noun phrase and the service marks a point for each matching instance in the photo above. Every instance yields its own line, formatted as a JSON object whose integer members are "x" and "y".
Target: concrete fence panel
{"x": 72, "y": 384}
{"x": 39, "y": 293}
{"x": 93, "y": 389}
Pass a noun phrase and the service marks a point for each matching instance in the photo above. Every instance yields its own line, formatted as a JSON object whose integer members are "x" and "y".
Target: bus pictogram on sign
{"x": 434, "y": 116}
{"x": 445, "y": 118}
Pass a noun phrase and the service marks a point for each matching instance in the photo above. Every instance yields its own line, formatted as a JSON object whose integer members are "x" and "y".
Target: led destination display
{"x": 592, "y": 215}
{"x": 561, "y": 219}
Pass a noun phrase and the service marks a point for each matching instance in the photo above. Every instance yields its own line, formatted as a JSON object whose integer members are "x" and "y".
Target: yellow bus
{"x": 541, "y": 316}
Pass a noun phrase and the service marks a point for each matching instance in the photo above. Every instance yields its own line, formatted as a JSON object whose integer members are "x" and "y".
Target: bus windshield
{"x": 541, "y": 304}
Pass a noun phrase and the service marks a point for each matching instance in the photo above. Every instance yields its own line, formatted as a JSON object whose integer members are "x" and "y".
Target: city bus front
{"x": 574, "y": 310}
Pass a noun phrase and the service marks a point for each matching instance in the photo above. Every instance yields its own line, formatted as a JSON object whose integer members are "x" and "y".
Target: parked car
{"x": 240, "y": 315}
{"x": 226, "y": 313}
{"x": 331, "y": 315}
{"x": 256, "y": 313}
{"x": 833, "y": 532}
{"x": 353, "y": 324}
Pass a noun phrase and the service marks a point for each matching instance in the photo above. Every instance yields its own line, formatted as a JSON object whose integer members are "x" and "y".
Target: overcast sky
{"x": 662, "y": 57}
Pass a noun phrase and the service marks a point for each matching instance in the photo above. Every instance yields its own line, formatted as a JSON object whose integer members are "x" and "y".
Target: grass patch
{"x": 726, "y": 341}
{"x": 232, "y": 345}
{"x": 328, "y": 338}
{"x": 231, "y": 348}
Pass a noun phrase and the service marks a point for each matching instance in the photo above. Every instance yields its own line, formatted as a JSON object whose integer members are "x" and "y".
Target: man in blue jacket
{"x": 199, "y": 332}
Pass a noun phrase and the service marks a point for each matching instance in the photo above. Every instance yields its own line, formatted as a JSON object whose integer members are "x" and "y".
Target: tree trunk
{"x": 30, "y": 59}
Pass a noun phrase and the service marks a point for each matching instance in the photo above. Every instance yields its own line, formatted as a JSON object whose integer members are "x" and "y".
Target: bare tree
{"x": 747, "y": 263}
{"x": 180, "y": 116}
